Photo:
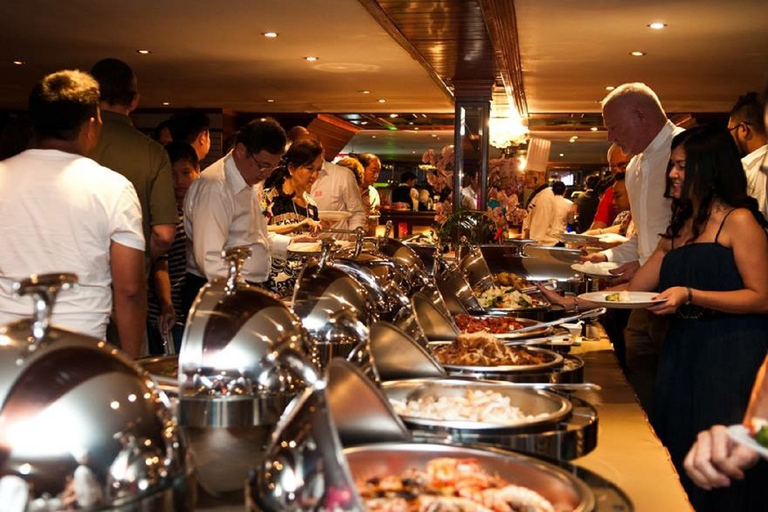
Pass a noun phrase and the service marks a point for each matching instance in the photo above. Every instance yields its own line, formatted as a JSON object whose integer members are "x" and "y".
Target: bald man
{"x": 606, "y": 213}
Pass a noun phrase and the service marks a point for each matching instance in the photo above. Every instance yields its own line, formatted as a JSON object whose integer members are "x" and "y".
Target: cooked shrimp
{"x": 514, "y": 498}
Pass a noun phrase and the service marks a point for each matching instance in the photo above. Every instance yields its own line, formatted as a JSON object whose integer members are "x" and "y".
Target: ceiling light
{"x": 18, "y": 62}
{"x": 270, "y": 100}
{"x": 364, "y": 92}
{"x": 363, "y": 122}
{"x": 166, "y": 103}
{"x": 561, "y": 154}
{"x": 382, "y": 100}
{"x": 269, "y": 35}
{"x": 434, "y": 135}
{"x": 392, "y": 116}
{"x": 637, "y": 53}
{"x": 414, "y": 151}
{"x": 311, "y": 58}
{"x": 416, "y": 128}
{"x": 657, "y": 25}
{"x": 373, "y": 136}
{"x": 609, "y": 88}
{"x": 594, "y": 128}
{"x": 143, "y": 52}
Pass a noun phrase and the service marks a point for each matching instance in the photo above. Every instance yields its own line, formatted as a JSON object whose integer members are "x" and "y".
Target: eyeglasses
{"x": 264, "y": 166}
{"x": 736, "y": 126}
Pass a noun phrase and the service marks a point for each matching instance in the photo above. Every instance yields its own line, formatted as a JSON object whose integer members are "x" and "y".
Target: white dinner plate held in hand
{"x": 630, "y": 300}
{"x": 596, "y": 269}
{"x": 741, "y": 435}
{"x": 333, "y": 216}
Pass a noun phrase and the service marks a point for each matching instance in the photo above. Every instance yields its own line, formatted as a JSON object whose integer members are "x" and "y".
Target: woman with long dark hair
{"x": 711, "y": 267}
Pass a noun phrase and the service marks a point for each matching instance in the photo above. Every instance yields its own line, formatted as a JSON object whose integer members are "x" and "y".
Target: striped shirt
{"x": 177, "y": 265}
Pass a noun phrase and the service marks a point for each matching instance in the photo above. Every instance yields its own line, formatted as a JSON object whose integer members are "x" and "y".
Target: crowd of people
{"x": 699, "y": 242}
{"x": 143, "y": 227}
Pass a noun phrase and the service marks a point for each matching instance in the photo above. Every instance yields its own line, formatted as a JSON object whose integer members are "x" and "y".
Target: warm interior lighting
{"x": 311, "y": 58}
{"x": 637, "y": 54}
{"x": 166, "y": 103}
{"x": 594, "y": 128}
{"x": 269, "y": 35}
{"x": 143, "y": 52}
{"x": 609, "y": 88}
{"x": 382, "y": 100}
{"x": 392, "y": 116}
{"x": 657, "y": 25}
{"x": 562, "y": 154}
{"x": 270, "y": 100}
{"x": 364, "y": 92}
{"x": 18, "y": 62}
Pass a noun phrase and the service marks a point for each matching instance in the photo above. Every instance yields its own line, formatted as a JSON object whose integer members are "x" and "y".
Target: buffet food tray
{"x": 569, "y": 372}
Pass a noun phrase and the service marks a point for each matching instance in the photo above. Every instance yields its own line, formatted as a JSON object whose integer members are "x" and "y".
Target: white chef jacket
{"x": 756, "y": 179}
{"x": 542, "y": 213}
{"x": 336, "y": 190}
{"x": 222, "y": 211}
{"x": 646, "y": 181}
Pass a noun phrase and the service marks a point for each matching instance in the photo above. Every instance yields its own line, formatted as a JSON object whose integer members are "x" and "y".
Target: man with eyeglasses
{"x": 606, "y": 213}
{"x": 223, "y": 209}
{"x": 747, "y": 128}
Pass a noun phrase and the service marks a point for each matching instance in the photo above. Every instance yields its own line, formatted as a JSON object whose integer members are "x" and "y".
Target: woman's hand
{"x": 715, "y": 459}
{"x": 675, "y": 297}
{"x": 314, "y": 226}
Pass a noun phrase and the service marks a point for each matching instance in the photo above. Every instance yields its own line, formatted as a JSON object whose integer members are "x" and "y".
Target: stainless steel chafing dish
{"x": 316, "y": 461}
{"x": 81, "y": 426}
{"x": 244, "y": 356}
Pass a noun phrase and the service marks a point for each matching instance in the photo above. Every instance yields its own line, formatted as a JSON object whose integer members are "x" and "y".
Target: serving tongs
{"x": 585, "y": 315}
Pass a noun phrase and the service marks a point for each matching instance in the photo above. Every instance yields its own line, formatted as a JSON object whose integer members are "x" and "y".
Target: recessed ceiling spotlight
{"x": 363, "y": 122}
{"x": 594, "y": 128}
{"x": 609, "y": 87}
{"x": 562, "y": 154}
{"x": 166, "y": 103}
{"x": 416, "y": 128}
{"x": 392, "y": 116}
{"x": 434, "y": 135}
{"x": 657, "y": 25}
{"x": 18, "y": 62}
{"x": 373, "y": 136}
{"x": 364, "y": 92}
{"x": 143, "y": 52}
{"x": 410, "y": 122}
{"x": 311, "y": 58}
{"x": 637, "y": 53}
{"x": 382, "y": 100}
{"x": 270, "y": 100}
{"x": 414, "y": 151}
{"x": 270, "y": 35}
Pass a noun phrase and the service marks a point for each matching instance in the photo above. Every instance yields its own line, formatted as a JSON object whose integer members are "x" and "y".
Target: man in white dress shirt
{"x": 636, "y": 122}
{"x": 223, "y": 209}
{"x": 748, "y": 130}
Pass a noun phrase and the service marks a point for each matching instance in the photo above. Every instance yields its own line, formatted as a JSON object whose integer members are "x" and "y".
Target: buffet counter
{"x": 628, "y": 452}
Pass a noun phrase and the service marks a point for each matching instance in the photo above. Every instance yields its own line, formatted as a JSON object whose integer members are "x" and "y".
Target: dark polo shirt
{"x": 126, "y": 150}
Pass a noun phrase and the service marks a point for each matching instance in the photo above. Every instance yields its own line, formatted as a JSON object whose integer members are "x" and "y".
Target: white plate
{"x": 579, "y": 239}
{"x": 636, "y": 300}
{"x": 612, "y": 238}
{"x": 595, "y": 269}
{"x": 305, "y": 247}
{"x": 740, "y": 434}
{"x": 332, "y": 216}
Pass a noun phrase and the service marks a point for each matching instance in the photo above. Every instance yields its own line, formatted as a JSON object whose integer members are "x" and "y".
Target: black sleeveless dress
{"x": 707, "y": 368}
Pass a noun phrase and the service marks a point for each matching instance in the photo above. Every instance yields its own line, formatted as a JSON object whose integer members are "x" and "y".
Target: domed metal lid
{"x": 80, "y": 425}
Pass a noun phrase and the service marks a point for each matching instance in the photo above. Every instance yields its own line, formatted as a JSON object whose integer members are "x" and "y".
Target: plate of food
{"x": 595, "y": 269}
{"x": 305, "y": 247}
{"x": 333, "y": 216}
{"x": 505, "y": 297}
{"x": 623, "y": 300}
{"x": 500, "y": 326}
{"x": 577, "y": 238}
{"x": 755, "y": 438}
